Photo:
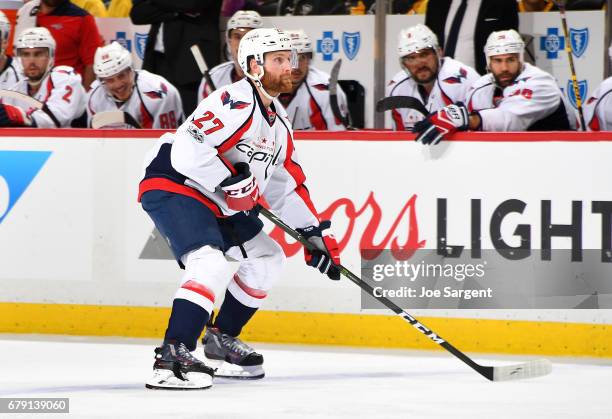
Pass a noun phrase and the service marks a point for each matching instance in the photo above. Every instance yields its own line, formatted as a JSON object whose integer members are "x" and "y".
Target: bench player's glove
{"x": 446, "y": 121}
{"x": 13, "y": 116}
{"x": 326, "y": 256}
{"x": 241, "y": 190}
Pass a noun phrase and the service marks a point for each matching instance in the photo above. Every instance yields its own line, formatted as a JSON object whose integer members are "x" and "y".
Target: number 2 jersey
{"x": 534, "y": 102}
{"x": 62, "y": 94}
{"x": 154, "y": 103}
{"x": 232, "y": 125}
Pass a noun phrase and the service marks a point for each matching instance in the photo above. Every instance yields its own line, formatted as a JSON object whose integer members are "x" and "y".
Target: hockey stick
{"x": 333, "y": 95}
{"x": 27, "y": 100}
{"x": 199, "y": 58}
{"x": 395, "y": 102}
{"x": 527, "y": 369}
{"x": 568, "y": 49}
{"x": 30, "y": 102}
{"x": 107, "y": 118}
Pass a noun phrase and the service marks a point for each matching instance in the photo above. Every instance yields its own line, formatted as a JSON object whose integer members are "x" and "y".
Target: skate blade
{"x": 166, "y": 380}
{"x": 237, "y": 372}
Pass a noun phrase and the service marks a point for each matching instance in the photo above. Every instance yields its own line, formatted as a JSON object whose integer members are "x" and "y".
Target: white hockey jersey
{"x": 62, "y": 94}
{"x": 598, "y": 108}
{"x": 154, "y": 103}
{"x": 11, "y": 74}
{"x": 534, "y": 102}
{"x": 451, "y": 86}
{"x": 230, "y": 126}
{"x": 221, "y": 75}
{"x": 310, "y": 107}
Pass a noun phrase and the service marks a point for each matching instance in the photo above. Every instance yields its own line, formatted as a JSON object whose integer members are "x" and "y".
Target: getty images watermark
{"x": 412, "y": 272}
{"x": 434, "y": 279}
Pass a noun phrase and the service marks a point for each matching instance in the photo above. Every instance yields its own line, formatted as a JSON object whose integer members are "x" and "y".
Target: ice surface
{"x": 105, "y": 378}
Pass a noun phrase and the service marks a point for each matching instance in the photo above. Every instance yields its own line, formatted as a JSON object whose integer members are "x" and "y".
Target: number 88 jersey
{"x": 154, "y": 102}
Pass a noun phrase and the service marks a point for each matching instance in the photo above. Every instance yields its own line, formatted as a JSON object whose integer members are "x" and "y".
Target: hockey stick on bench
{"x": 527, "y": 369}
{"x": 31, "y": 102}
{"x": 201, "y": 62}
{"x": 106, "y": 118}
{"x": 333, "y": 95}
{"x": 395, "y": 102}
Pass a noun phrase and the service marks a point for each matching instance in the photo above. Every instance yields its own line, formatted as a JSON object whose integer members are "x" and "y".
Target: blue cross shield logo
{"x": 123, "y": 41}
{"x": 141, "y": 43}
{"x": 552, "y": 43}
{"x": 17, "y": 170}
{"x": 579, "y": 40}
{"x": 351, "y": 41}
{"x": 583, "y": 89}
{"x": 327, "y": 45}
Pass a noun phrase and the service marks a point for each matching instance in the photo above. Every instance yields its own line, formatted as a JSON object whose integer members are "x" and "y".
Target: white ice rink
{"x": 105, "y": 378}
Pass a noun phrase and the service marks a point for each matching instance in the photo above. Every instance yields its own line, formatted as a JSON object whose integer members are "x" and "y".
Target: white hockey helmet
{"x": 504, "y": 42}
{"x": 37, "y": 38}
{"x": 300, "y": 41}
{"x": 5, "y": 27}
{"x": 416, "y": 38}
{"x": 111, "y": 59}
{"x": 257, "y": 43}
{"x": 244, "y": 19}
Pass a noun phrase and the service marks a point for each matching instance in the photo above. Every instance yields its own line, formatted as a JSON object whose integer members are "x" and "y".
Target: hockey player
{"x": 58, "y": 89}
{"x": 598, "y": 108}
{"x": 308, "y": 104}
{"x": 201, "y": 187}
{"x": 10, "y": 70}
{"x": 513, "y": 96}
{"x": 426, "y": 75}
{"x": 150, "y": 99}
{"x": 230, "y": 72}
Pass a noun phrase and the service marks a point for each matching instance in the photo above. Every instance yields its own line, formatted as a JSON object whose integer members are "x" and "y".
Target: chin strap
{"x": 257, "y": 80}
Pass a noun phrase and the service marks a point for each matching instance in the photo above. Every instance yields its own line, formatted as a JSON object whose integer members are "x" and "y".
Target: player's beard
{"x": 429, "y": 77}
{"x": 505, "y": 79}
{"x": 275, "y": 85}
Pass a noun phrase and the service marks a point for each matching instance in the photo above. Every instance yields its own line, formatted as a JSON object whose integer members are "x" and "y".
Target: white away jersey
{"x": 598, "y": 108}
{"x": 62, "y": 93}
{"x": 154, "y": 103}
{"x": 230, "y": 126}
{"x": 451, "y": 86}
{"x": 222, "y": 75}
{"x": 534, "y": 102}
{"x": 310, "y": 107}
{"x": 11, "y": 74}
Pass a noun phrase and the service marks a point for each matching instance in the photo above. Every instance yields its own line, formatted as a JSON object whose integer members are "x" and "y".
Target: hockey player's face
{"x": 299, "y": 74}
{"x": 422, "y": 65}
{"x": 505, "y": 68}
{"x": 277, "y": 75}
{"x": 234, "y": 40}
{"x": 34, "y": 62}
{"x": 120, "y": 85}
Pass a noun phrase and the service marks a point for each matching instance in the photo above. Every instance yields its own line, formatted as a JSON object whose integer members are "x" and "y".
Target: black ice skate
{"x": 232, "y": 357}
{"x": 175, "y": 368}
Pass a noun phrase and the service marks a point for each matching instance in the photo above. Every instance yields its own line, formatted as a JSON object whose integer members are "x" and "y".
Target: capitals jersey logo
{"x": 233, "y": 104}
{"x": 457, "y": 78}
{"x": 158, "y": 94}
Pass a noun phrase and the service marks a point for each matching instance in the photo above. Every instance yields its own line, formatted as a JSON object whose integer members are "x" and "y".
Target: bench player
{"x": 148, "y": 98}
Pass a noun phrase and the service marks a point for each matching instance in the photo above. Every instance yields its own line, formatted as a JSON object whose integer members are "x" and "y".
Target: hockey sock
{"x": 186, "y": 323}
{"x": 233, "y": 315}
